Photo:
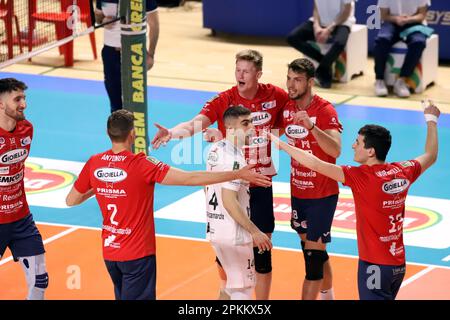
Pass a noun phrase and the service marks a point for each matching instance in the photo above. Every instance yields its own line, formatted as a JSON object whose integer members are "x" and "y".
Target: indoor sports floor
{"x": 69, "y": 107}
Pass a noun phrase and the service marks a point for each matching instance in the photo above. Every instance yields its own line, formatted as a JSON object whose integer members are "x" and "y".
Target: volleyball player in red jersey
{"x": 266, "y": 102}
{"x": 379, "y": 191}
{"x": 17, "y": 228}
{"x": 123, "y": 184}
{"x": 311, "y": 124}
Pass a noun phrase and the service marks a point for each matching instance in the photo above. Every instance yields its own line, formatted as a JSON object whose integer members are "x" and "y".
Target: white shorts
{"x": 238, "y": 263}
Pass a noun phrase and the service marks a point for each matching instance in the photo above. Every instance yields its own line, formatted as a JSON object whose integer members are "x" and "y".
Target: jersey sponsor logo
{"x": 108, "y": 191}
{"x": 12, "y": 179}
{"x": 269, "y": 105}
{"x": 110, "y": 174}
{"x": 4, "y": 170}
{"x": 302, "y": 183}
{"x": 260, "y": 117}
{"x": 25, "y": 141}
{"x": 384, "y": 173}
{"x": 113, "y": 158}
{"x": 38, "y": 180}
{"x": 406, "y": 164}
{"x": 109, "y": 242}
{"x": 12, "y": 197}
{"x": 395, "y": 186}
{"x": 258, "y": 141}
{"x": 213, "y": 158}
{"x": 297, "y": 132}
{"x": 14, "y": 156}
{"x": 344, "y": 220}
{"x": 216, "y": 216}
{"x": 11, "y": 206}
{"x": 153, "y": 160}
{"x": 236, "y": 165}
{"x": 114, "y": 230}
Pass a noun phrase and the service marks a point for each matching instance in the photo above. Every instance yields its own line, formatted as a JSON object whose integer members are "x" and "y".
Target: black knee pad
{"x": 218, "y": 262}
{"x": 263, "y": 261}
{"x": 314, "y": 260}
{"x": 41, "y": 281}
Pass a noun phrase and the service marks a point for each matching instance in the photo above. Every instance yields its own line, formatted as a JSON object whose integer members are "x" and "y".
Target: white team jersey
{"x": 221, "y": 227}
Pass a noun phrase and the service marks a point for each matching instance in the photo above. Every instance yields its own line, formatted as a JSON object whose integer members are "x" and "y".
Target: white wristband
{"x": 430, "y": 117}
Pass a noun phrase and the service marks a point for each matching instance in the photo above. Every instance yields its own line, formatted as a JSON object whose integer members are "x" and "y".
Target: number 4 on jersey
{"x": 213, "y": 201}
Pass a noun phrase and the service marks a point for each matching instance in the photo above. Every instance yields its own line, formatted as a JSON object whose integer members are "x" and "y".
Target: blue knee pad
{"x": 314, "y": 261}
{"x": 263, "y": 261}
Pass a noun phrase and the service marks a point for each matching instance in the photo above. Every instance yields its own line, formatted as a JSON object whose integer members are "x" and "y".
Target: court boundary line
{"x": 46, "y": 241}
{"x": 416, "y": 276}
{"x": 204, "y": 240}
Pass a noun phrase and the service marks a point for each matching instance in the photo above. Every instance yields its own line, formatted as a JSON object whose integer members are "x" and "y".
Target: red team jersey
{"x": 379, "y": 192}
{"x": 14, "y": 150}
{"x": 305, "y": 183}
{"x": 266, "y": 109}
{"x": 124, "y": 184}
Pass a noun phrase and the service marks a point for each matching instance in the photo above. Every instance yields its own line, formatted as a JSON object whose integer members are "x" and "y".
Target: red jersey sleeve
{"x": 83, "y": 183}
{"x": 212, "y": 107}
{"x": 411, "y": 169}
{"x": 152, "y": 169}
{"x": 329, "y": 119}
{"x": 354, "y": 178}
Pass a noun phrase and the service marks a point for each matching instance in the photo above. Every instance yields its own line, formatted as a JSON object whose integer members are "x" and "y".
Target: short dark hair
{"x": 235, "y": 112}
{"x": 11, "y": 84}
{"x": 252, "y": 56}
{"x": 303, "y": 66}
{"x": 376, "y": 137}
{"x": 120, "y": 123}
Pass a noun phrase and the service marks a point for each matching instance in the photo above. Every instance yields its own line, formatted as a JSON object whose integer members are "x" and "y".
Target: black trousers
{"x": 299, "y": 37}
{"x": 112, "y": 73}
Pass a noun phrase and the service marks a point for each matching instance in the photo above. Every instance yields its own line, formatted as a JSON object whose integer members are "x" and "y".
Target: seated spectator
{"x": 399, "y": 16}
{"x": 331, "y": 23}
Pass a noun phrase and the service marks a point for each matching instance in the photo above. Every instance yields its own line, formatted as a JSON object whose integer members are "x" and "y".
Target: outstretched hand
{"x": 247, "y": 173}
{"x": 161, "y": 137}
{"x": 212, "y": 135}
{"x": 430, "y": 111}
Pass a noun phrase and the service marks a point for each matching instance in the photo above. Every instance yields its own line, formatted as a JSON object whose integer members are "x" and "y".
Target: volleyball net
{"x": 31, "y": 27}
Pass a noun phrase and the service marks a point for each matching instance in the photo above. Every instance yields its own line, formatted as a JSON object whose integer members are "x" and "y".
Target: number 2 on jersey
{"x": 113, "y": 208}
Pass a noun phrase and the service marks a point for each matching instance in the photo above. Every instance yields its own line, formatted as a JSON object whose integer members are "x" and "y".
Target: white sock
{"x": 240, "y": 294}
{"x": 327, "y": 294}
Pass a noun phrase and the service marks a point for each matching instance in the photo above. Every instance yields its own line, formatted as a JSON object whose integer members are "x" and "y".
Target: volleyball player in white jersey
{"x": 229, "y": 229}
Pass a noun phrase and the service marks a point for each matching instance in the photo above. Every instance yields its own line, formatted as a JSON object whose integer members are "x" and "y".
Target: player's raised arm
{"x": 431, "y": 113}
{"x": 198, "y": 178}
{"x": 310, "y": 161}
{"x": 181, "y": 130}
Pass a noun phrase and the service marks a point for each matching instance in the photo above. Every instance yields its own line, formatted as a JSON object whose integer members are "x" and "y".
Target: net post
{"x": 134, "y": 68}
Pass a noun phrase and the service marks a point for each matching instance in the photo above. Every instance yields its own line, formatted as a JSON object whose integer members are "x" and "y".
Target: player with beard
{"x": 18, "y": 231}
{"x": 311, "y": 124}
